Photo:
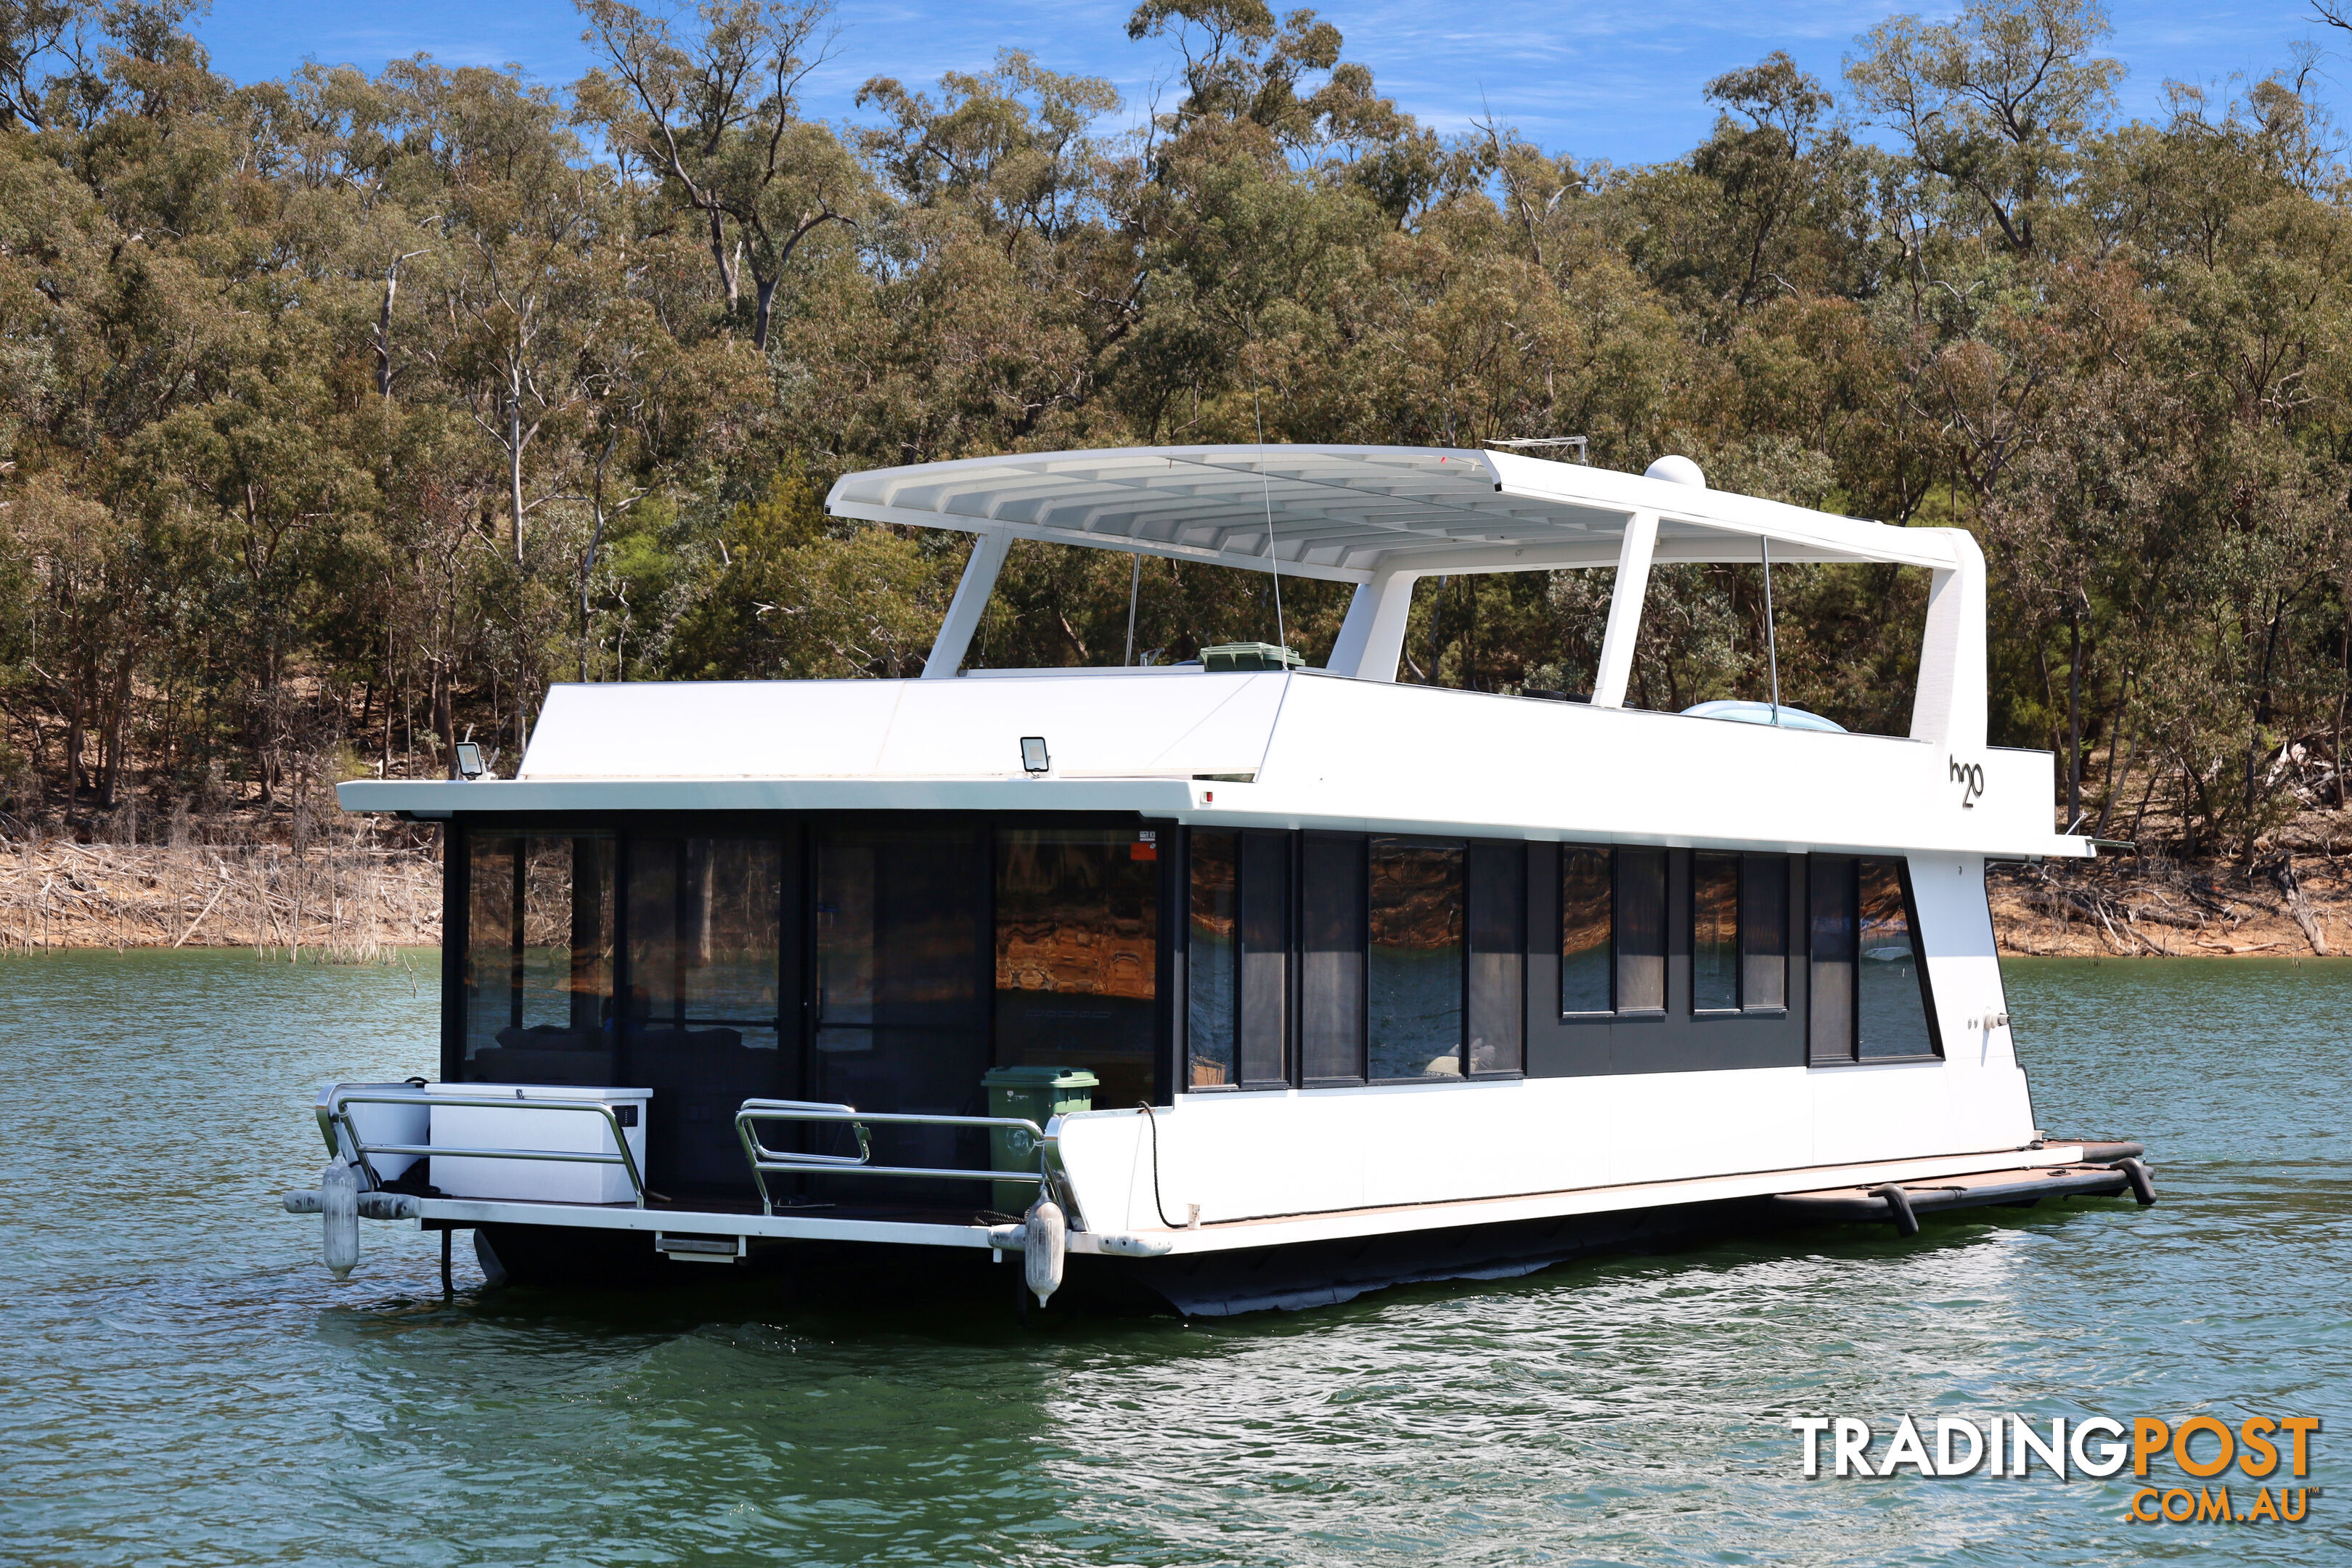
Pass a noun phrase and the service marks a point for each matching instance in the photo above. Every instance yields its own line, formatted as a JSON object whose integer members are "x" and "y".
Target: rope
{"x": 1144, "y": 1106}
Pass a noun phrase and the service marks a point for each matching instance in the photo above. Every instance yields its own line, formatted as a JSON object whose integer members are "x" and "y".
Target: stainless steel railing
{"x": 766, "y": 1161}
{"x": 334, "y": 1115}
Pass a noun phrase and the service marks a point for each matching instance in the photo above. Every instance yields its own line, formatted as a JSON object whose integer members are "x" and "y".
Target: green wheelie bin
{"x": 1038, "y": 1094}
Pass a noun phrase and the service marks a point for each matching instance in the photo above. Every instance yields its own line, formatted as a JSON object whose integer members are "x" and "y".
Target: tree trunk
{"x": 73, "y": 745}
{"x": 383, "y": 333}
{"x": 444, "y": 718}
{"x": 2074, "y": 722}
{"x": 763, "y": 309}
{"x": 117, "y": 710}
{"x": 514, "y": 465}
{"x": 719, "y": 254}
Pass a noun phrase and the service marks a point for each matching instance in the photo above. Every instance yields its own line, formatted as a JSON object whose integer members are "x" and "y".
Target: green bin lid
{"x": 1227, "y": 656}
{"x": 1039, "y": 1078}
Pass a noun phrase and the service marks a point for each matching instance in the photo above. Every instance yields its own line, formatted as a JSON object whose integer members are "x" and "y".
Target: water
{"x": 184, "y": 1385}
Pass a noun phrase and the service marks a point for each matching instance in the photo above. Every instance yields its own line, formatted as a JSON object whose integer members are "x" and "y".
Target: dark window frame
{"x": 1462, "y": 1044}
{"x": 1607, "y": 853}
{"x": 1180, "y": 1033}
{"x": 1361, "y": 921}
{"x": 1744, "y": 865}
{"x": 1748, "y": 861}
{"x": 1285, "y": 989}
{"x": 1848, "y": 871}
{"x": 1739, "y": 1007}
{"x": 1618, "y": 861}
{"x": 1496, "y": 849}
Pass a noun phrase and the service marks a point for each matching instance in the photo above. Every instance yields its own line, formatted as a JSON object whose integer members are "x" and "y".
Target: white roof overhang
{"x": 1351, "y": 513}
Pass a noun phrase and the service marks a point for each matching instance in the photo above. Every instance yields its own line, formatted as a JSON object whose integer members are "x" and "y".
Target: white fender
{"x": 1041, "y": 1252}
{"x": 338, "y": 1206}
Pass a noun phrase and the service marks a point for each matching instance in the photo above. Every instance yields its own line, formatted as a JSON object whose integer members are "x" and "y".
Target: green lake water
{"x": 184, "y": 1384}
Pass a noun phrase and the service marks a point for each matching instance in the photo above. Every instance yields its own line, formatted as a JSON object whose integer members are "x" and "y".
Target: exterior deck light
{"x": 1033, "y": 759}
{"x": 469, "y": 760}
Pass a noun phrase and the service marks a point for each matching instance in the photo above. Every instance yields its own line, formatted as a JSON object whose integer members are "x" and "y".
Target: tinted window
{"x": 1641, "y": 931}
{"x": 1764, "y": 933}
{"x": 538, "y": 970}
{"x": 705, "y": 925}
{"x": 1415, "y": 967}
{"x": 1212, "y": 950}
{"x": 1829, "y": 900}
{"x": 1891, "y": 1010}
{"x": 1077, "y": 935}
{"x": 705, "y": 915}
{"x": 1499, "y": 917}
{"x": 1587, "y": 905}
{"x": 902, "y": 951}
{"x": 1265, "y": 957}
{"x": 1714, "y": 934}
{"x": 1331, "y": 959}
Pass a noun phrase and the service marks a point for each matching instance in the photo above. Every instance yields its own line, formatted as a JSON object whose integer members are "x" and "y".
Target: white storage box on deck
{"x": 526, "y": 1126}
{"x": 380, "y": 1124}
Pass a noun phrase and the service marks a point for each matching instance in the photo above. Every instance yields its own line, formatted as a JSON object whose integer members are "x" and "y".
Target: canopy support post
{"x": 1950, "y": 706}
{"x": 1625, "y": 610}
{"x": 971, "y": 601}
{"x": 1372, "y": 640}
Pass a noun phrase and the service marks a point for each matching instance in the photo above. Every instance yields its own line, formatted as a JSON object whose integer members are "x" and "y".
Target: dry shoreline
{"x": 342, "y": 903}
{"x": 350, "y": 903}
{"x": 2287, "y": 907}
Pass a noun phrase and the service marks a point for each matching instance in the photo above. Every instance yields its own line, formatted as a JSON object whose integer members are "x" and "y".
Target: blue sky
{"x": 1604, "y": 79}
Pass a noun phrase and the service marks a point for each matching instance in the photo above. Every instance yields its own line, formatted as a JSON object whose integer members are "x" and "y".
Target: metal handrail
{"x": 766, "y": 1161}
{"x": 334, "y": 1112}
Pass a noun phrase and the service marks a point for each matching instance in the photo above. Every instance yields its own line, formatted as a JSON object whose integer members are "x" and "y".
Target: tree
{"x": 717, "y": 116}
{"x": 1995, "y": 100}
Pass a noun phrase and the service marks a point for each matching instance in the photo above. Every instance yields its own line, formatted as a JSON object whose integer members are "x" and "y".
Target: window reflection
{"x": 1764, "y": 933}
{"x": 1209, "y": 971}
{"x": 1641, "y": 931}
{"x": 1829, "y": 943}
{"x": 1714, "y": 934}
{"x": 901, "y": 1008}
{"x": 1890, "y": 984}
{"x": 1587, "y": 918}
{"x": 705, "y": 919}
{"x": 1077, "y": 929}
{"x": 1331, "y": 958}
{"x": 1498, "y": 921}
{"x": 1414, "y": 973}
{"x": 900, "y": 963}
{"x": 538, "y": 970}
{"x": 1264, "y": 990}
{"x": 705, "y": 916}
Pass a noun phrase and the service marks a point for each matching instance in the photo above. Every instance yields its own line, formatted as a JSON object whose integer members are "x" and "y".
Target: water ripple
{"x": 186, "y": 1385}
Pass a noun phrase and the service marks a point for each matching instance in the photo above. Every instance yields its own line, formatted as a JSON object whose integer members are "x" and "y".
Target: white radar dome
{"x": 1676, "y": 471}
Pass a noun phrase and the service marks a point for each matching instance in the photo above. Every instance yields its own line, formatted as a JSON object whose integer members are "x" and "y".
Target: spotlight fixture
{"x": 1033, "y": 759}
{"x": 469, "y": 760}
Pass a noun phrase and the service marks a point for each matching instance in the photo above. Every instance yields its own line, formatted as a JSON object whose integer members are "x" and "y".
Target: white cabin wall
{"x": 1259, "y": 1154}
{"x": 1325, "y": 750}
{"x": 1437, "y": 760}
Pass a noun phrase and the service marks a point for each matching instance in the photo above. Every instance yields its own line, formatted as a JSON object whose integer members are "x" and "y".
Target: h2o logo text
{"x": 1969, "y": 776}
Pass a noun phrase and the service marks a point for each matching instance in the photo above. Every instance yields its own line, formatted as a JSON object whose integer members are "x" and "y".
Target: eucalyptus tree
{"x": 716, "y": 113}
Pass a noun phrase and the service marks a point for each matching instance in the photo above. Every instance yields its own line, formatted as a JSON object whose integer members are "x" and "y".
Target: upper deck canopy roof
{"x": 1347, "y": 513}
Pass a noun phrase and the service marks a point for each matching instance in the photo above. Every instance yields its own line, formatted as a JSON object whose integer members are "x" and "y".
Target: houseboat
{"x": 1229, "y": 984}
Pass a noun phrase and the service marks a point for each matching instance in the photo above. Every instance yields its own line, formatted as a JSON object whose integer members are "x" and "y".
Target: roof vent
{"x": 1676, "y": 471}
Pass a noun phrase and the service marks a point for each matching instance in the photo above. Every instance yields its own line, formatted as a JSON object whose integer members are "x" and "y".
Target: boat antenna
{"x": 1771, "y": 642}
{"x": 1273, "y": 561}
